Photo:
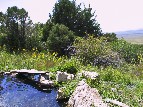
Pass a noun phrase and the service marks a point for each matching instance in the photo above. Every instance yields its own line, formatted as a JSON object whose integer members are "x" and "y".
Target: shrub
{"x": 95, "y": 51}
{"x": 110, "y": 37}
{"x": 69, "y": 66}
{"x": 59, "y": 38}
{"x": 132, "y": 53}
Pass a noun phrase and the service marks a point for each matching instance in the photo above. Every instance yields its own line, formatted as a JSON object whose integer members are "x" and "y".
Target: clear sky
{"x": 112, "y": 15}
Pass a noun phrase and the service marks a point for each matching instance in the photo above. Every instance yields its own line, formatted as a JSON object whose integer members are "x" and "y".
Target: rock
{"x": 14, "y": 74}
{"x": 6, "y": 72}
{"x": 85, "y": 96}
{"x": 63, "y": 76}
{"x": 60, "y": 94}
{"x": 47, "y": 82}
{"x": 115, "y": 102}
{"x": 44, "y": 77}
{"x": 13, "y": 71}
{"x": 70, "y": 77}
{"x": 91, "y": 75}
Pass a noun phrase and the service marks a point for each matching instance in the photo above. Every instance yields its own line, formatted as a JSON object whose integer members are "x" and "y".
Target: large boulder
{"x": 85, "y": 96}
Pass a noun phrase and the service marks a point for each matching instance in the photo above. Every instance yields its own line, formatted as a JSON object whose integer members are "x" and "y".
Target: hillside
{"x": 133, "y": 36}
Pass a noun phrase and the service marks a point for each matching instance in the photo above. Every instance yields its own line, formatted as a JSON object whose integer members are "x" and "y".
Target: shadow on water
{"x": 16, "y": 92}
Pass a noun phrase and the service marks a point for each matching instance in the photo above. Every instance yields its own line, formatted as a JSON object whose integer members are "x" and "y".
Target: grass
{"x": 124, "y": 83}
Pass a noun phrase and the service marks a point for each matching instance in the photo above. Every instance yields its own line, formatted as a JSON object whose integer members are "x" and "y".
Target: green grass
{"x": 124, "y": 83}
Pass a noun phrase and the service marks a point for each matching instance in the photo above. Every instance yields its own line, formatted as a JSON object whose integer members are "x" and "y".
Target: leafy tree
{"x": 46, "y": 29}
{"x": 60, "y": 37}
{"x": 71, "y": 15}
{"x": 15, "y": 21}
{"x": 33, "y": 40}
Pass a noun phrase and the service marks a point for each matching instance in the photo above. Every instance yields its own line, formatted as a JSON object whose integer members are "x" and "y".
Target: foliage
{"x": 46, "y": 30}
{"x": 59, "y": 39}
{"x": 95, "y": 51}
{"x": 34, "y": 36}
{"x": 69, "y": 87}
{"x": 119, "y": 84}
{"x": 2, "y": 39}
{"x": 132, "y": 53}
{"x": 80, "y": 21}
{"x": 27, "y": 60}
{"x": 124, "y": 83}
{"x": 110, "y": 37}
{"x": 15, "y": 23}
{"x": 69, "y": 66}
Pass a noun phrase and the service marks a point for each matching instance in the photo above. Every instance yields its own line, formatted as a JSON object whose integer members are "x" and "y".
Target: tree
{"x": 46, "y": 30}
{"x": 15, "y": 23}
{"x": 60, "y": 37}
{"x": 33, "y": 40}
{"x": 71, "y": 15}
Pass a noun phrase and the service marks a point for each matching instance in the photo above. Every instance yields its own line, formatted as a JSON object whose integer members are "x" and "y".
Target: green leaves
{"x": 80, "y": 21}
{"x": 59, "y": 38}
{"x": 16, "y": 22}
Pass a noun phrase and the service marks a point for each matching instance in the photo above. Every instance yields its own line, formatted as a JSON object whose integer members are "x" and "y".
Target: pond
{"x": 16, "y": 92}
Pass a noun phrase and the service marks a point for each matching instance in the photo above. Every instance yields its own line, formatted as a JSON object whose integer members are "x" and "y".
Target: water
{"x": 17, "y": 93}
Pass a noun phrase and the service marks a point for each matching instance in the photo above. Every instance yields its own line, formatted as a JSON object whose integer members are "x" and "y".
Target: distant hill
{"x": 130, "y": 33}
{"x": 133, "y": 36}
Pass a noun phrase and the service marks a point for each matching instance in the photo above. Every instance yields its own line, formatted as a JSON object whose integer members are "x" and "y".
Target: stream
{"x": 16, "y": 92}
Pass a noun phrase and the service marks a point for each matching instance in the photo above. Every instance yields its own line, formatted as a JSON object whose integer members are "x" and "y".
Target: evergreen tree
{"x": 81, "y": 21}
{"x": 15, "y": 22}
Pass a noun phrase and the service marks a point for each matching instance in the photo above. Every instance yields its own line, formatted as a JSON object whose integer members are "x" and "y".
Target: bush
{"x": 132, "y": 53}
{"x": 110, "y": 37}
{"x": 60, "y": 37}
{"x": 95, "y": 51}
{"x": 69, "y": 66}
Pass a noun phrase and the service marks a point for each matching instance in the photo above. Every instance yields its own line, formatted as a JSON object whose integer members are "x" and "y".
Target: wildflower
{"x": 43, "y": 55}
{"x": 53, "y": 54}
{"x": 33, "y": 49}
{"x": 34, "y": 55}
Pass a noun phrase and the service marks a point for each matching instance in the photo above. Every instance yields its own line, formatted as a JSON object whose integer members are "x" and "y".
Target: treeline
{"x": 67, "y": 21}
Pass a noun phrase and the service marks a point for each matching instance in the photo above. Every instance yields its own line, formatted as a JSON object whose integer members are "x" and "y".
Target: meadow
{"x": 121, "y": 70}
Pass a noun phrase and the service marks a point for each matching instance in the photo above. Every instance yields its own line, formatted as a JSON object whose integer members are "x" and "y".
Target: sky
{"x": 112, "y": 15}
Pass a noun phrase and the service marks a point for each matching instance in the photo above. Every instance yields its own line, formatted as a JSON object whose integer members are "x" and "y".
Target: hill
{"x": 133, "y": 36}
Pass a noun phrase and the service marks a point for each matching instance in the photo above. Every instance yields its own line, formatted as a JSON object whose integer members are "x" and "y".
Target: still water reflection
{"x": 16, "y": 93}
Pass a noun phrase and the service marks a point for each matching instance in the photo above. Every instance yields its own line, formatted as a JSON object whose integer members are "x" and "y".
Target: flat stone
{"x": 32, "y": 71}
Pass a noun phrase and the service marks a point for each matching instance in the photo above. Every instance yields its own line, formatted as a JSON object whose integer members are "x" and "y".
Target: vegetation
{"x": 59, "y": 39}
{"x": 80, "y": 21}
{"x": 24, "y": 45}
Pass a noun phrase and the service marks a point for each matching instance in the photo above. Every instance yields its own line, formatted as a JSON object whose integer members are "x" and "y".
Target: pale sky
{"x": 112, "y": 15}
